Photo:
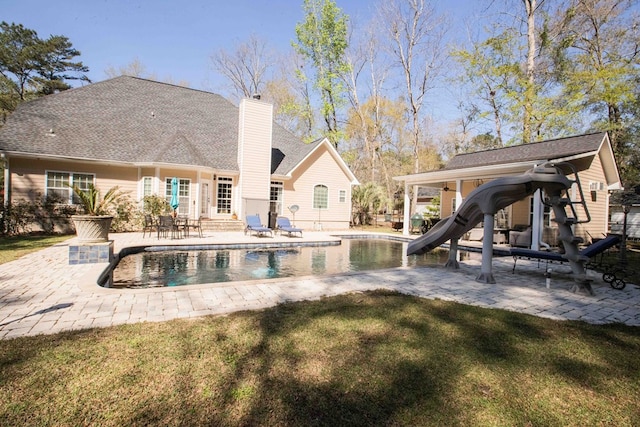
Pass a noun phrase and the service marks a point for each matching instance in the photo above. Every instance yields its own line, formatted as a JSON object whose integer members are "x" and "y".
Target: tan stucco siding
{"x": 319, "y": 169}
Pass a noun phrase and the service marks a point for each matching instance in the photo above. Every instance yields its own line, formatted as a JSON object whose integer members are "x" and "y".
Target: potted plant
{"x": 93, "y": 226}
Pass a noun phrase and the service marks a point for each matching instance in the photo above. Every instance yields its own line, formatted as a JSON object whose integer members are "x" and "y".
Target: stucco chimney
{"x": 254, "y": 155}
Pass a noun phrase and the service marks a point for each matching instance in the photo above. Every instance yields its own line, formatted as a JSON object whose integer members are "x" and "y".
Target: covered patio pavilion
{"x": 590, "y": 155}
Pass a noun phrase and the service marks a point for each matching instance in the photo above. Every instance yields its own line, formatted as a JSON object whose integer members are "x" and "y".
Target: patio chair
{"x": 166, "y": 224}
{"x": 283, "y": 224}
{"x": 193, "y": 224}
{"x": 149, "y": 225}
{"x": 255, "y": 225}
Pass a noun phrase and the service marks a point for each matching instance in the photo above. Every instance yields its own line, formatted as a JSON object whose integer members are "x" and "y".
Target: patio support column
{"x": 536, "y": 226}
{"x": 452, "y": 262}
{"x": 156, "y": 183}
{"x": 486, "y": 274}
{"x": 458, "y": 193}
{"x": 406, "y": 214}
{"x": 196, "y": 196}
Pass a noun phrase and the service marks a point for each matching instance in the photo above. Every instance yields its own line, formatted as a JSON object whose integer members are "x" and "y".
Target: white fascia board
{"x": 478, "y": 172}
{"x": 574, "y": 157}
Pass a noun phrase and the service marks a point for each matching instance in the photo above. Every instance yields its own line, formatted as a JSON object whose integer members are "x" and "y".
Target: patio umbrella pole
{"x": 174, "y": 196}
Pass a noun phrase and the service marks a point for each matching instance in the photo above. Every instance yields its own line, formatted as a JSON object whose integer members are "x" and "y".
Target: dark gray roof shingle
{"x": 544, "y": 150}
{"x": 136, "y": 120}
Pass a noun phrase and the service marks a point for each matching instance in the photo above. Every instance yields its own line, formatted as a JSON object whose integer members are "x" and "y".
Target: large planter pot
{"x": 92, "y": 229}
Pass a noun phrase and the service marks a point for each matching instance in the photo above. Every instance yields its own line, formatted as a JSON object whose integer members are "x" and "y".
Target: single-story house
{"x": 590, "y": 156}
{"x": 139, "y": 134}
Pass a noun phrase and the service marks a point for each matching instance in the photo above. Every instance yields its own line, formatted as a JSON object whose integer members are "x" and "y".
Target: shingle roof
{"x": 129, "y": 119}
{"x": 544, "y": 150}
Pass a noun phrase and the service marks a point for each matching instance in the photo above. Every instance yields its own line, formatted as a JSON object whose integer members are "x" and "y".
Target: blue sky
{"x": 170, "y": 38}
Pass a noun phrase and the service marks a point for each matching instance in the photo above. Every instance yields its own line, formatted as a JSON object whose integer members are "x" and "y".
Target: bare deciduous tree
{"x": 245, "y": 68}
{"x": 415, "y": 34}
{"x": 366, "y": 76}
{"x": 137, "y": 69}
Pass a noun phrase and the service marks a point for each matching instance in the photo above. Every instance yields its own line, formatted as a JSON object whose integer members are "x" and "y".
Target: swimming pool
{"x": 188, "y": 267}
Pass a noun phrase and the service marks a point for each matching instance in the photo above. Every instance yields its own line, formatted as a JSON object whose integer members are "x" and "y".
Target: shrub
{"x": 126, "y": 216}
{"x": 155, "y": 205}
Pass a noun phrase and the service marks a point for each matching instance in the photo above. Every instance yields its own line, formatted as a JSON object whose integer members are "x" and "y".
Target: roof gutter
{"x": 21, "y": 154}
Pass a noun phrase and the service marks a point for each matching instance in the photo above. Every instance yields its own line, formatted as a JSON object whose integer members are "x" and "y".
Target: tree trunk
{"x": 529, "y": 92}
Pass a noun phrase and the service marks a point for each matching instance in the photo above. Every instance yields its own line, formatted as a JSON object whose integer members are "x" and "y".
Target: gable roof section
{"x": 535, "y": 151}
{"x": 133, "y": 120}
{"x": 324, "y": 142}
{"x": 490, "y": 164}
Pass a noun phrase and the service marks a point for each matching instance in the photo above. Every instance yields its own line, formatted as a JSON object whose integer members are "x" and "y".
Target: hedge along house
{"x": 139, "y": 134}
{"x": 590, "y": 155}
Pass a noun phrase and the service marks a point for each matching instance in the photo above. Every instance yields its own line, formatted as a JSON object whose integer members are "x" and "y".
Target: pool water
{"x": 178, "y": 268}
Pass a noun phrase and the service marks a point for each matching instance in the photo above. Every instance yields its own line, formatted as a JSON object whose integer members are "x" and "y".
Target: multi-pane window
{"x": 82, "y": 181}
{"x": 342, "y": 196}
{"x": 184, "y": 198}
{"x": 225, "y": 185}
{"x": 320, "y": 197}
{"x": 275, "y": 197}
{"x": 147, "y": 186}
{"x": 59, "y": 185}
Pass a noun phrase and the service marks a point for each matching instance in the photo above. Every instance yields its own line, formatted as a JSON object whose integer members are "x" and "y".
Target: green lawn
{"x": 13, "y": 247}
{"x": 369, "y": 359}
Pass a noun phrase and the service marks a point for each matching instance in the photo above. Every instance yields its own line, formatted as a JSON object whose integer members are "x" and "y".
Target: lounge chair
{"x": 255, "y": 225}
{"x": 283, "y": 224}
{"x": 588, "y": 252}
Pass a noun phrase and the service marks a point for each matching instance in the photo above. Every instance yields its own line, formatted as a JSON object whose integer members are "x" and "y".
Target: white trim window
{"x": 58, "y": 184}
{"x": 225, "y": 195}
{"x": 275, "y": 197}
{"x": 184, "y": 194}
{"x": 320, "y": 197}
{"x": 147, "y": 186}
{"x": 342, "y": 196}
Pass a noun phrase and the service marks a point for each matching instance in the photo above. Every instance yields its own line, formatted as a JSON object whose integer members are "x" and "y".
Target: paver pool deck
{"x": 41, "y": 293}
